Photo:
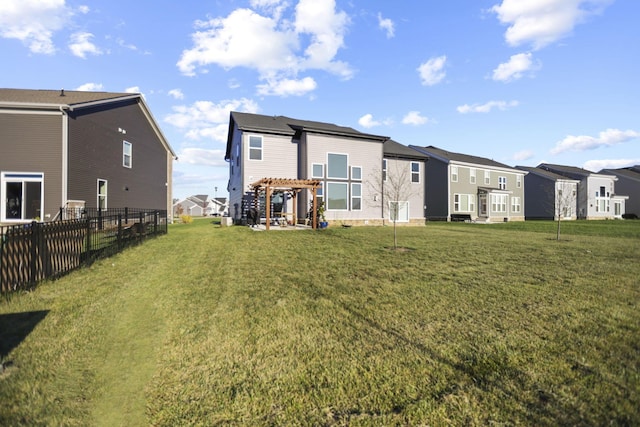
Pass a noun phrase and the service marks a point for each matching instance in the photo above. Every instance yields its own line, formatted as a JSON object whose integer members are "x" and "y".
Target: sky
{"x": 518, "y": 81}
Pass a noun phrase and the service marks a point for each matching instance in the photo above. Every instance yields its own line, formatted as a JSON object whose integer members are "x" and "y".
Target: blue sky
{"x": 518, "y": 81}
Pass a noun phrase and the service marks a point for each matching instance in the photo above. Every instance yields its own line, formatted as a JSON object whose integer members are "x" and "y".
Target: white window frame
{"x": 487, "y": 177}
{"x": 346, "y": 171}
{"x": 516, "y": 205}
{"x": 404, "y": 211}
{"x": 502, "y": 182}
{"x": 454, "y": 174}
{"x": 518, "y": 181}
{"x": 415, "y": 175}
{"x": 127, "y": 154}
{"x": 499, "y": 203}
{"x": 23, "y": 178}
{"x": 472, "y": 175}
{"x": 254, "y": 149}
{"x": 464, "y": 203}
{"x": 328, "y": 200}
{"x": 313, "y": 174}
{"x": 356, "y": 168}
{"x": 354, "y": 197}
{"x": 98, "y": 194}
{"x": 384, "y": 170}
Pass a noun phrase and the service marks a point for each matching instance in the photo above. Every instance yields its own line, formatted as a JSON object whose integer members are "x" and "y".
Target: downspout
{"x": 65, "y": 156}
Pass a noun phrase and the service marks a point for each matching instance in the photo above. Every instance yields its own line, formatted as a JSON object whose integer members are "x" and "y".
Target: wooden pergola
{"x": 287, "y": 185}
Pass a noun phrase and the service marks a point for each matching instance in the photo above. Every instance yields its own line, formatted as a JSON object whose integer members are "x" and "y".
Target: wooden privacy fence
{"x": 37, "y": 251}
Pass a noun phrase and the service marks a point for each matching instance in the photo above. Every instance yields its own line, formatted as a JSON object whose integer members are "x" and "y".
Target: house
{"x": 465, "y": 187}
{"x": 549, "y": 195}
{"x": 347, "y": 164}
{"x": 597, "y": 198}
{"x": 628, "y": 183}
{"x": 71, "y": 148}
{"x": 200, "y": 205}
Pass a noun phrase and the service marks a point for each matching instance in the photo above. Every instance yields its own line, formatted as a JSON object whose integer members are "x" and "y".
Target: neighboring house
{"x": 219, "y": 206}
{"x": 200, "y": 205}
{"x": 549, "y": 195}
{"x": 597, "y": 198}
{"x": 465, "y": 187}
{"x": 628, "y": 183}
{"x": 72, "y": 148}
{"x": 348, "y": 164}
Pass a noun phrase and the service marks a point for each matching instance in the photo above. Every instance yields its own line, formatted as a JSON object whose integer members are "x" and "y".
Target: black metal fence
{"x": 33, "y": 252}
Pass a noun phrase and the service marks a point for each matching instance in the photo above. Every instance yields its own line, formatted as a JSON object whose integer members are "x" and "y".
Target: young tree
{"x": 393, "y": 189}
{"x": 565, "y": 202}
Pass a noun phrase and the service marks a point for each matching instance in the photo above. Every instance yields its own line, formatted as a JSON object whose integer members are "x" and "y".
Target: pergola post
{"x": 268, "y": 206}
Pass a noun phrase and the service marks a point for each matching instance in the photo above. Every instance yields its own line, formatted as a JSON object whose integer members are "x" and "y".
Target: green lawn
{"x": 473, "y": 325}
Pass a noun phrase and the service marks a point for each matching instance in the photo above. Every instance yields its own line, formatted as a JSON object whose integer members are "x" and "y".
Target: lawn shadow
{"x": 15, "y": 327}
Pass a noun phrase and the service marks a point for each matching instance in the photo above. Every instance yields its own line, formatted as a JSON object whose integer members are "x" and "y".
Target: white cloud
{"x": 605, "y": 138}
{"x": 33, "y": 22}
{"x": 201, "y": 156}
{"x": 276, "y": 47}
{"x": 367, "y": 121}
{"x": 598, "y": 165}
{"x": 286, "y": 87}
{"x": 91, "y": 87}
{"x": 205, "y": 119}
{"x": 176, "y": 94}
{"x": 486, "y": 107}
{"x": 414, "y": 118}
{"x": 84, "y": 9}
{"x": 81, "y": 45}
{"x": 514, "y": 68}
{"x": 132, "y": 89}
{"x": 541, "y": 22}
{"x": 523, "y": 155}
{"x": 431, "y": 72}
{"x": 387, "y": 25}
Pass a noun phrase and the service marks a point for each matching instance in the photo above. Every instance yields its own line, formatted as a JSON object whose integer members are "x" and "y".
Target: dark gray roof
{"x": 392, "y": 148}
{"x": 448, "y": 156}
{"x": 632, "y": 172}
{"x": 568, "y": 171}
{"x": 542, "y": 172}
{"x": 57, "y": 98}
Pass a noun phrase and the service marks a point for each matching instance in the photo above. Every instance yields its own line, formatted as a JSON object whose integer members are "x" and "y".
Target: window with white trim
{"x": 337, "y": 166}
{"x": 502, "y": 182}
{"x": 415, "y": 172}
{"x": 317, "y": 170}
{"x": 127, "y": 154}
{"x": 487, "y": 177}
{"x": 472, "y": 176}
{"x": 516, "y": 206}
{"x": 399, "y": 211}
{"x": 356, "y": 173}
{"x": 384, "y": 170}
{"x": 23, "y": 196}
{"x": 356, "y": 197}
{"x": 337, "y": 196}
{"x": 102, "y": 194}
{"x": 464, "y": 202}
{"x": 255, "y": 147}
{"x": 518, "y": 181}
{"x": 454, "y": 174}
{"x": 499, "y": 203}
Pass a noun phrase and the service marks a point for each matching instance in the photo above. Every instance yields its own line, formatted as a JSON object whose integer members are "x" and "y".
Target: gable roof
{"x": 31, "y": 99}
{"x": 632, "y": 172}
{"x": 544, "y": 173}
{"x": 282, "y": 125}
{"x": 449, "y": 156}
{"x": 392, "y": 148}
{"x": 571, "y": 171}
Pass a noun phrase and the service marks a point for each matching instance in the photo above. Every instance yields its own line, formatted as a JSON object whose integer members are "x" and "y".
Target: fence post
{"x": 126, "y": 215}
{"x": 88, "y": 246}
{"x": 155, "y": 222}
{"x": 32, "y": 255}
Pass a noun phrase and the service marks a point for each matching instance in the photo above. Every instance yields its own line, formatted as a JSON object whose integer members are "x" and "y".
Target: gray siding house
{"x": 72, "y": 148}
{"x": 549, "y": 195}
{"x": 465, "y": 187}
{"x": 348, "y": 163}
{"x": 597, "y": 198}
{"x": 628, "y": 183}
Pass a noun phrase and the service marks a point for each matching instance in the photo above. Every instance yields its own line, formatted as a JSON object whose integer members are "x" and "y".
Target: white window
{"x": 127, "y": 154}
{"x": 472, "y": 176}
{"x": 255, "y": 147}
{"x": 356, "y": 173}
{"x": 502, "y": 182}
{"x": 464, "y": 202}
{"x": 415, "y": 172}
{"x": 518, "y": 181}
{"x": 320, "y": 193}
{"x": 399, "y": 211}
{"x": 23, "y": 196}
{"x": 487, "y": 178}
{"x": 317, "y": 170}
{"x": 102, "y": 194}
{"x": 356, "y": 197}
{"x": 384, "y": 170}
{"x": 454, "y": 174}
{"x": 337, "y": 166}
{"x": 499, "y": 203}
{"x": 515, "y": 205}
{"x": 337, "y": 197}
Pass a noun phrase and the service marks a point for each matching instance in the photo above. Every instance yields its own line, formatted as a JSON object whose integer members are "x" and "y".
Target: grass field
{"x": 472, "y": 325}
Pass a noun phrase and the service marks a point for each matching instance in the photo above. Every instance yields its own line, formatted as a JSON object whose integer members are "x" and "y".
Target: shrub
{"x": 630, "y": 216}
{"x": 186, "y": 219}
